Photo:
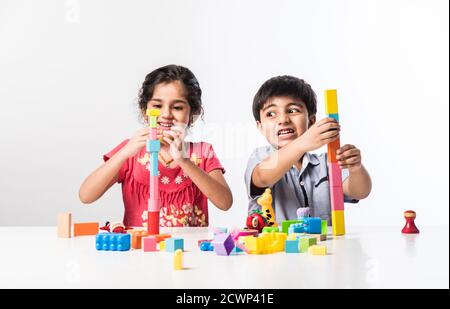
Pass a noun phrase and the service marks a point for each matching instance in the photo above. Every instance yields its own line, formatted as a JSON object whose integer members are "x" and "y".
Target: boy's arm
{"x": 271, "y": 169}
{"x": 358, "y": 184}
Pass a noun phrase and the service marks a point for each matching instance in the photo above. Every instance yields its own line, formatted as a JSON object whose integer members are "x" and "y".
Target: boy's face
{"x": 283, "y": 120}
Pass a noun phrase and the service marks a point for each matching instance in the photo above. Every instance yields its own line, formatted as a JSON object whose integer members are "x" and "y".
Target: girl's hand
{"x": 321, "y": 133}
{"x": 136, "y": 142}
{"x": 349, "y": 156}
{"x": 175, "y": 138}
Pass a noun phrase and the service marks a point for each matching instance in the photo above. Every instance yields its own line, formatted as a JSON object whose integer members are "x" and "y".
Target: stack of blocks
{"x": 334, "y": 171}
{"x": 153, "y": 148}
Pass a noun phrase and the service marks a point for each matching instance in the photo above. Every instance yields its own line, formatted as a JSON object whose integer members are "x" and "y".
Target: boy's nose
{"x": 284, "y": 118}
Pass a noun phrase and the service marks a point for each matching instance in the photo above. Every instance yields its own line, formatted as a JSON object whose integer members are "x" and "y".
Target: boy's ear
{"x": 258, "y": 125}
{"x": 312, "y": 120}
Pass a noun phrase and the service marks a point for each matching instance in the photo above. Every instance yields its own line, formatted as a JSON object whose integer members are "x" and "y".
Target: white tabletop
{"x": 33, "y": 257}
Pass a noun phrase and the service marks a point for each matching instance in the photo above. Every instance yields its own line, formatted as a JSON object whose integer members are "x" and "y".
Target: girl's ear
{"x": 312, "y": 120}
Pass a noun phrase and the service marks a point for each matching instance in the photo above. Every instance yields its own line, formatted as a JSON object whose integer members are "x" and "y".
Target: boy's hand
{"x": 349, "y": 156}
{"x": 136, "y": 142}
{"x": 321, "y": 133}
{"x": 175, "y": 138}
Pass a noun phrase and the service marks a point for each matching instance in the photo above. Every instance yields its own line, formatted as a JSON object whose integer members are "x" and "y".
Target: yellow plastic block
{"x": 317, "y": 250}
{"x": 162, "y": 245}
{"x": 331, "y": 106}
{"x": 178, "y": 260}
{"x": 337, "y": 222}
{"x": 153, "y": 112}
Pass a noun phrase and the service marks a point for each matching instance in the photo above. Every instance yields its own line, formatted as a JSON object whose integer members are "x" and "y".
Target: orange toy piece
{"x": 87, "y": 228}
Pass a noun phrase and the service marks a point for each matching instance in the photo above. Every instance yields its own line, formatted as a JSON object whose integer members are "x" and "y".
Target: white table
{"x": 33, "y": 257}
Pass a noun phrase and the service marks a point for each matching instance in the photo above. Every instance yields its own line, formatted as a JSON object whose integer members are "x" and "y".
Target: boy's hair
{"x": 171, "y": 73}
{"x": 285, "y": 86}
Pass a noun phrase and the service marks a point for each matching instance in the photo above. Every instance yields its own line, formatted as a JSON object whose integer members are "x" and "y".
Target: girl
{"x": 189, "y": 173}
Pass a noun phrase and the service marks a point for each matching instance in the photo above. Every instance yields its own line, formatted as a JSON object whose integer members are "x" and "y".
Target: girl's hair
{"x": 171, "y": 73}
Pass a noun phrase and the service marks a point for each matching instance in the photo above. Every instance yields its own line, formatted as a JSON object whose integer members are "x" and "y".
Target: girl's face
{"x": 170, "y": 99}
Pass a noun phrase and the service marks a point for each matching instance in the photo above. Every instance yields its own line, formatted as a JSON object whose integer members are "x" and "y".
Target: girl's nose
{"x": 165, "y": 112}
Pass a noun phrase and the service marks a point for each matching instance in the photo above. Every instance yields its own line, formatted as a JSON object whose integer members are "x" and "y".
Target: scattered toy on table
{"x": 178, "y": 260}
{"x": 302, "y": 212}
{"x": 265, "y": 200}
{"x": 223, "y": 244}
{"x": 410, "y": 227}
{"x": 64, "y": 225}
{"x": 115, "y": 227}
{"x": 256, "y": 220}
{"x": 112, "y": 241}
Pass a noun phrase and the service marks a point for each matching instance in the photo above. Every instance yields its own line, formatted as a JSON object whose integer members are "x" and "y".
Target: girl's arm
{"x": 97, "y": 183}
{"x": 212, "y": 184}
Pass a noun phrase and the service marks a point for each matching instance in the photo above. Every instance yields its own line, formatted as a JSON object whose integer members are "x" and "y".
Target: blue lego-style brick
{"x": 291, "y": 246}
{"x": 334, "y": 116}
{"x": 206, "y": 246}
{"x": 153, "y": 164}
{"x": 153, "y": 145}
{"x": 173, "y": 244}
{"x": 313, "y": 225}
{"x": 112, "y": 241}
{"x": 296, "y": 228}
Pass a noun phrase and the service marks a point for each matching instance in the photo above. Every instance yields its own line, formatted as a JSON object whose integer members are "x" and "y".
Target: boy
{"x": 285, "y": 112}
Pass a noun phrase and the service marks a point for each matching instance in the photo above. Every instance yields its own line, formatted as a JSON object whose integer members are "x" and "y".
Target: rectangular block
{"x": 64, "y": 225}
{"x": 318, "y": 237}
{"x": 136, "y": 241}
{"x": 332, "y": 148}
{"x": 153, "y": 133}
{"x": 324, "y": 230}
{"x": 149, "y": 244}
{"x": 153, "y": 205}
{"x": 153, "y": 145}
{"x": 154, "y": 187}
{"x": 162, "y": 245}
{"x": 317, "y": 250}
{"x": 313, "y": 225}
{"x": 334, "y": 116}
{"x": 153, "y": 122}
{"x": 331, "y": 104}
{"x": 306, "y": 242}
{"x": 153, "y": 222}
{"x": 112, "y": 242}
{"x": 285, "y": 225}
{"x": 334, "y": 174}
{"x": 152, "y": 112}
{"x": 338, "y": 224}
{"x": 153, "y": 164}
{"x": 173, "y": 244}
{"x": 88, "y": 228}
{"x": 292, "y": 246}
{"x": 337, "y": 198}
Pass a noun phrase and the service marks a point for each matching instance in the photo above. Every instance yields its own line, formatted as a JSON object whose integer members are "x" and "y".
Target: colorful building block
{"x": 64, "y": 225}
{"x": 324, "y": 230}
{"x": 318, "y": 237}
{"x": 338, "y": 224}
{"x": 334, "y": 116}
{"x": 296, "y": 228}
{"x": 149, "y": 244}
{"x": 317, "y": 250}
{"x": 162, "y": 245}
{"x": 270, "y": 229}
{"x": 153, "y": 145}
{"x": 206, "y": 246}
{"x": 153, "y": 112}
{"x": 337, "y": 198}
{"x": 334, "y": 175}
{"x": 306, "y": 242}
{"x": 136, "y": 238}
{"x": 173, "y": 244}
{"x": 88, "y": 228}
{"x": 112, "y": 241}
{"x": 331, "y": 106}
{"x": 223, "y": 244}
{"x": 153, "y": 122}
{"x": 332, "y": 148}
{"x": 219, "y": 230}
{"x": 292, "y": 246}
{"x": 285, "y": 225}
{"x": 313, "y": 225}
{"x": 178, "y": 260}
{"x": 153, "y": 161}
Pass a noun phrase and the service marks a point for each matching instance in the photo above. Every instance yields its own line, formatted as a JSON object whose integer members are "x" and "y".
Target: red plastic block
{"x": 336, "y": 198}
{"x": 334, "y": 175}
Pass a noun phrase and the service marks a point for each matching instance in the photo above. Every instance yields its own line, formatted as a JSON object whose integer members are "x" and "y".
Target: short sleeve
{"x": 211, "y": 161}
{"x": 124, "y": 167}
{"x": 256, "y": 157}
{"x": 345, "y": 174}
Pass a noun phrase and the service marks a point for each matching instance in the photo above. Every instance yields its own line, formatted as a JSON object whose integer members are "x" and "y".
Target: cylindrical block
{"x": 153, "y": 223}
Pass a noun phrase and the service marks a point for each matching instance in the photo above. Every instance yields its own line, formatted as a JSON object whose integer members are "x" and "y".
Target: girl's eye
{"x": 178, "y": 108}
{"x": 156, "y": 106}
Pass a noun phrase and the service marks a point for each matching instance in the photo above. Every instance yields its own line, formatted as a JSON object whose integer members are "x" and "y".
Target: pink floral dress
{"x": 182, "y": 203}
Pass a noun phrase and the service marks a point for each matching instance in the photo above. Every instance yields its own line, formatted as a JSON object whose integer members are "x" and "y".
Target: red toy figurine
{"x": 115, "y": 227}
{"x": 256, "y": 221}
{"x": 410, "y": 227}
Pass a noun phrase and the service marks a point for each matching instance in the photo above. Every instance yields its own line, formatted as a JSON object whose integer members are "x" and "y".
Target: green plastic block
{"x": 153, "y": 123}
{"x": 306, "y": 242}
{"x": 270, "y": 229}
{"x": 324, "y": 227}
{"x": 285, "y": 225}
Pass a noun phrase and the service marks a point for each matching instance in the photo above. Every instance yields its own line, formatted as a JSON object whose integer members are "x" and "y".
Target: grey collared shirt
{"x": 308, "y": 187}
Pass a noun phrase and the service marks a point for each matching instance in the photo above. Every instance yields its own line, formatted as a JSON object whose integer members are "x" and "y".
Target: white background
{"x": 70, "y": 72}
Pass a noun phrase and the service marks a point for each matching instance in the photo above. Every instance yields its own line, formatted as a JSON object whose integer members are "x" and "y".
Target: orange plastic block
{"x": 88, "y": 228}
{"x": 136, "y": 238}
{"x": 332, "y": 148}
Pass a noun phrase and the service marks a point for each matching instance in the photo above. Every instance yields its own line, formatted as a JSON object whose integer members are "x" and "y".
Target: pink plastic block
{"x": 149, "y": 244}
{"x": 153, "y": 205}
{"x": 153, "y": 133}
{"x": 154, "y": 187}
{"x": 334, "y": 175}
{"x": 337, "y": 198}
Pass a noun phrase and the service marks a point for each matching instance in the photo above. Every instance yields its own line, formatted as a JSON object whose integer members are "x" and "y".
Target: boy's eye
{"x": 270, "y": 114}
{"x": 294, "y": 110}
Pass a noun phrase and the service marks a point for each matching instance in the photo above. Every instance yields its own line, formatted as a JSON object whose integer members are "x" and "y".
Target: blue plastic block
{"x": 153, "y": 164}
{"x": 236, "y": 249}
{"x": 173, "y": 244}
{"x": 335, "y": 116}
{"x": 313, "y": 225}
{"x": 112, "y": 241}
{"x": 153, "y": 145}
{"x": 296, "y": 228}
{"x": 206, "y": 246}
{"x": 291, "y": 246}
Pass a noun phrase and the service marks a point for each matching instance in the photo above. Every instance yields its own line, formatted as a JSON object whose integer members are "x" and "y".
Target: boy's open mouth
{"x": 285, "y": 132}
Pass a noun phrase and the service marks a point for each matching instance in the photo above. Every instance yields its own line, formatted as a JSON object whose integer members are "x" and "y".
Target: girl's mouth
{"x": 165, "y": 125}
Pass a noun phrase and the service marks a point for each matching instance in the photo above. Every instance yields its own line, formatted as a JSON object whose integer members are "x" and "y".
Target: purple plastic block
{"x": 223, "y": 244}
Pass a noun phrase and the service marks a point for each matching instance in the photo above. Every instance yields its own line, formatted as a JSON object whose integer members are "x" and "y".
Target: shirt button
{"x": 302, "y": 183}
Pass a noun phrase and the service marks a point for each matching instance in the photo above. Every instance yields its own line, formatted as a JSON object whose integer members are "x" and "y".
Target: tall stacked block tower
{"x": 153, "y": 148}
{"x": 334, "y": 170}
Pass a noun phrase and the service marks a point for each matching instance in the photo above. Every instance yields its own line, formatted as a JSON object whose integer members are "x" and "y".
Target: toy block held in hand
{"x": 64, "y": 225}
{"x": 88, "y": 228}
